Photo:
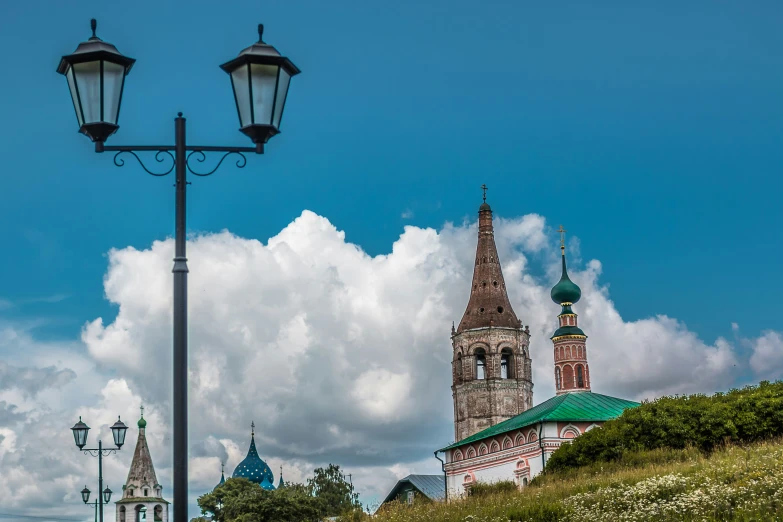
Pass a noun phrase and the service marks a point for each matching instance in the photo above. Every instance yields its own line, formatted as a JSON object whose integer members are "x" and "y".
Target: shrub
{"x": 704, "y": 422}
{"x": 483, "y": 489}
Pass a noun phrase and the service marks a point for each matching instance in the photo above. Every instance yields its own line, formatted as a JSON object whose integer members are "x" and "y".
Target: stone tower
{"x": 491, "y": 372}
{"x": 142, "y": 495}
{"x": 571, "y": 371}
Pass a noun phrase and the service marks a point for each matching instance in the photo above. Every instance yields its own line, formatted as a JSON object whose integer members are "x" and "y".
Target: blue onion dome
{"x": 565, "y": 291}
{"x": 254, "y": 469}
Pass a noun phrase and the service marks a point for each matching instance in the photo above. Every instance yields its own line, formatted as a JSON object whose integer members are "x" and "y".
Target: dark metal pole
{"x": 100, "y": 479}
{"x": 180, "y": 335}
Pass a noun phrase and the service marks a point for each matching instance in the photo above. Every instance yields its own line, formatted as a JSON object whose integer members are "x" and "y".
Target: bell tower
{"x": 491, "y": 373}
{"x": 571, "y": 371}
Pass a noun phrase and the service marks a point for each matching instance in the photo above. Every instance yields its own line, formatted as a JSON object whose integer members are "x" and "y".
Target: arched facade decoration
{"x": 520, "y": 440}
{"x": 569, "y": 432}
{"x": 532, "y": 436}
{"x": 580, "y": 376}
{"x": 483, "y": 449}
{"x": 507, "y": 442}
{"x": 494, "y": 447}
{"x": 458, "y": 455}
{"x": 471, "y": 453}
{"x": 592, "y": 426}
{"x": 558, "y": 378}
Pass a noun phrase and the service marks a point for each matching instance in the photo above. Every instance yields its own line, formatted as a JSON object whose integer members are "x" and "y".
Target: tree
{"x": 329, "y": 485}
{"x": 239, "y": 500}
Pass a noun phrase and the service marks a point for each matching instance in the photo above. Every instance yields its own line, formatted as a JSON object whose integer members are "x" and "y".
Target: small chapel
{"x": 499, "y": 434}
{"x": 142, "y": 495}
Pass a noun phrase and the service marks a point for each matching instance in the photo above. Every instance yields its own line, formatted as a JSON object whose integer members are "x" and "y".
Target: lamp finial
{"x": 93, "y": 26}
{"x": 260, "y": 33}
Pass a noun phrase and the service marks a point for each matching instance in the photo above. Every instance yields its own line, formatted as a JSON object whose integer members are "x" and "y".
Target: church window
{"x": 495, "y": 284}
{"x": 141, "y": 514}
{"x": 500, "y": 309}
{"x": 524, "y": 481}
{"x": 157, "y": 513}
{"x": 506, "y": 365}
{"x": 557, "y": 378}
{"x": 122, "y": 513}
{"x": 459, "y": 368}
{"x": 580, "y": 378}
{"x": 410, "y": 497}
{"x": 481, "y": 364}
{"x": 481, "y": 310}
{"x": 131, "y": 493}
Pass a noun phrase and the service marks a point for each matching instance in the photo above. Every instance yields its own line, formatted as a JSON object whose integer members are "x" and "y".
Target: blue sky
{"x": 652, "y": 131}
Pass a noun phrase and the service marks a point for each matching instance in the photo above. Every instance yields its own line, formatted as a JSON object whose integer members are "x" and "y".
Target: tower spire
{"x": 488, "y": 304}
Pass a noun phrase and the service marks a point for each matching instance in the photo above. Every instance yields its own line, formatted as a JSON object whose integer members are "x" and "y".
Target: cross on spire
{"x": 484, "y": 188}
{"x": 142, "y": 411}
{"x": 562, "y": 232}
{"x": 252, "y": 429}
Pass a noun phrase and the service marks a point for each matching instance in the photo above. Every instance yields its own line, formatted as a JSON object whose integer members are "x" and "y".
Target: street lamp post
{"x": 118, "y": 431}
{"x": 260, "y": 78}
{"x": 86, "y": 497}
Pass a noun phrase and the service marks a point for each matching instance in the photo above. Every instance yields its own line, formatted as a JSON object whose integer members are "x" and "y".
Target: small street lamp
{"x": 86, "y": 497}
{"x": 80, "y": 430}
{"x": 260, "y": 78}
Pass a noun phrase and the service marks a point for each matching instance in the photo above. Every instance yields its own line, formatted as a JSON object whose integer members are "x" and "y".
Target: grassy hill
{"x": 731, "y": 484}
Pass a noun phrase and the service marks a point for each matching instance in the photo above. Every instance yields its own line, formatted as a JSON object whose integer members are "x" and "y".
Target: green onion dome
{"x": 142, "y": 423}
{"x": 565, "y": 291}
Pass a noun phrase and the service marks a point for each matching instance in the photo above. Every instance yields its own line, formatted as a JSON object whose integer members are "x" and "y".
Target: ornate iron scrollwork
{"x": 241, "y": 162}
{"x": 120, "y": 162}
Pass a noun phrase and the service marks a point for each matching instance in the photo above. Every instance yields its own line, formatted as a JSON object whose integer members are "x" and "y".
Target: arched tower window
{"x": 568, "y": 377}
{"x": 580, "y": 377}
{"x": 122, "y": 514}
{"x": 459, "y": 368}
{"x": 481, "y": 365}
{"x": 506, "y": 364}
{"x": 558, "y": 382}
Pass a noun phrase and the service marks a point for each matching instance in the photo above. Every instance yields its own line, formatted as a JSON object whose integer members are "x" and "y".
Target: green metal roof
{"x": 574, "y": 407}
{"x": 568, "y": 330}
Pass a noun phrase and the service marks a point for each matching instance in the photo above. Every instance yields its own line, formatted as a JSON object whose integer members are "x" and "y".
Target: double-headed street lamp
{"x": 118, "y": 431}
{"x": 260, "y": 78}
{"x": 86, "y": 497}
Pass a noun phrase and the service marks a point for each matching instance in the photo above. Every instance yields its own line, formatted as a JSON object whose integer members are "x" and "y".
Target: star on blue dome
{"x": 253, "y": 468}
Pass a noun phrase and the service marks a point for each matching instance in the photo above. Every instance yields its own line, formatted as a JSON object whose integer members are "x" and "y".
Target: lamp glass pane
{"x": 85, "y": 495}
{"x": 282, "y": 92}
{"x": 106, "y": 495}
{"x": 74, "y": 95}
{"x": 241, "y": 85}
{"x": 113, "y": 76}
{"x": 119, "y": 436}
{"x": 88, "y": 80}
{"x": 264, "y": 79}
{"x": 80, "y": 436}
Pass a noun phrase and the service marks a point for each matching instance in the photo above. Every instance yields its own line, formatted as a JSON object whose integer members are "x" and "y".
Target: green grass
{"x": 732, "y": 484}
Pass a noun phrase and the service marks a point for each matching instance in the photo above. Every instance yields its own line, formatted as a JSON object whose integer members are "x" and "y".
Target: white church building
{"x": 499, "y": 434}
